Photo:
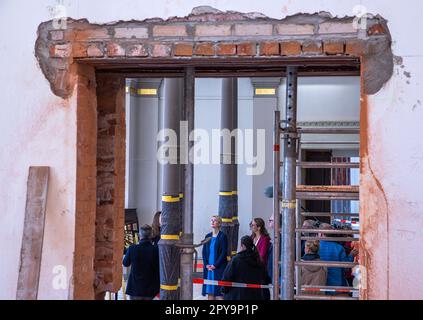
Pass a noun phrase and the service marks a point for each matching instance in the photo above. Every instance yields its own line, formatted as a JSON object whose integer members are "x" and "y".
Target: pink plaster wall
{"x": 391, "y": 193}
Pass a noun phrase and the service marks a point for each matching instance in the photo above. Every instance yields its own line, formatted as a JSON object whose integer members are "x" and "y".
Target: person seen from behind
{"x": 246, "y": 267}
{"x": 143, "y": 258}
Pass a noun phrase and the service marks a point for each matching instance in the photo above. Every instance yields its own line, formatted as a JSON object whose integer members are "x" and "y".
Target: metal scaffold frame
{"x": 288, "y": 232}
{"x": 187, "y": 251}
{"x": 290, "y": 138}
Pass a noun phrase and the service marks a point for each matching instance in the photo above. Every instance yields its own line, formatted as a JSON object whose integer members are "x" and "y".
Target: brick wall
{"x": 86, "y": 172}
{"x": 198, "y": 39}
{"x": 109, "y": 221}
{"x": 205, "y": 36}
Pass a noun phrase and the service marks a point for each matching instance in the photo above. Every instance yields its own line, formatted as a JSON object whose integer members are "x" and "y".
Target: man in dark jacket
{"x": 144, "y": 278}
{"x": 246, "y": 267}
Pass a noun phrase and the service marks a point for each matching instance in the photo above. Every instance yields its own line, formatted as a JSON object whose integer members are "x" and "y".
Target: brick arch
{"x": 68, "y": 58}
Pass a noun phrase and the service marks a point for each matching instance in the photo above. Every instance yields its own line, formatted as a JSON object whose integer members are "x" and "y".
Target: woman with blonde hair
{"x": 214, "y": 259}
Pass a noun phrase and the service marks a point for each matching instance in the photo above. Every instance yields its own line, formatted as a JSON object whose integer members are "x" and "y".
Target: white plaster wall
{"x": 246, "y": 188}
{"x": 39, "y": 129}
{"x": 322, "y": 99}
{"x": 263, "y": 119}
{"x": 326, "y": 98}
{"x": 142, "y": 164}
{"x": 395, "y": 156}
{"x": 395, "y": 160}
{"x": 206, "y": 176}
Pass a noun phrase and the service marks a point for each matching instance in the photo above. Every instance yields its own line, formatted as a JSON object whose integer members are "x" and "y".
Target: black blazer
{"x": 144, "y": 278}
{"x": 245, "y": 268}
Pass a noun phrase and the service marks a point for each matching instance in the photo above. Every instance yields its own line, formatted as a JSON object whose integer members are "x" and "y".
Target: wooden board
{"x": 310, "y": 188}
{"x": 33, "y": 233}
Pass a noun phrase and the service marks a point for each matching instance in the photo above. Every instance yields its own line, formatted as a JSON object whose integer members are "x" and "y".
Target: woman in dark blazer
{"x": 214, "y": 259}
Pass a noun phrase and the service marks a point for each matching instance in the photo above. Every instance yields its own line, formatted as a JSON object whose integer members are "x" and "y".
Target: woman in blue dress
{"x": 214, "y": 259}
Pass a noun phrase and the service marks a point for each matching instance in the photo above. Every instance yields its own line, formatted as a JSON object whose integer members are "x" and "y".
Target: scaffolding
{"x": 287, "y": 210}
{"x": 177, "y": 218}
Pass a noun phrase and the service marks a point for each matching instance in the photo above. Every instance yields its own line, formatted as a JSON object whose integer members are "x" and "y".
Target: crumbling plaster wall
{"x": 39, "y": 128}
{"x": 391, "y": 174}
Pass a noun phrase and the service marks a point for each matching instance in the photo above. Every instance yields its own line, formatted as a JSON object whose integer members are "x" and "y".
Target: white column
{"x": 264, "y": 106}
{"x": 142, "y": 128}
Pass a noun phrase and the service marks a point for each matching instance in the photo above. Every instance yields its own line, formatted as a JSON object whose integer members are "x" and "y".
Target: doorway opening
{"x": 144, "y": 109}
{"x": 89, "y": 64}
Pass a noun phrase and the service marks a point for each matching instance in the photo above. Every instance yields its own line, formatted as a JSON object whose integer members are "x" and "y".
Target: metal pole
{"x": 235, "y": 221}
{"x": 187, "y": 231}
{"x": 289, "y": 186}
{"x": 182, "y": 136}
{"x": 227, "y": 161}
{"x": 171, "y": 215}
{"x": 276, "y": 205}
{"x": 298, "y": 224}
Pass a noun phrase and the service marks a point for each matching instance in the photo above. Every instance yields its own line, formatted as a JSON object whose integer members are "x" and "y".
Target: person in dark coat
{"x": 143, "y": 258}
{"x": 215, "y": 260}
{"x": 246, "y": 267}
